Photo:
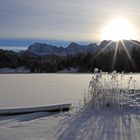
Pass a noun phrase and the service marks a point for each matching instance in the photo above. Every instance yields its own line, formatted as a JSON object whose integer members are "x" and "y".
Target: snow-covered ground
{"x": 68, "y": 70}
{"x": 85, "y": 124}
{"x": 12, "y": 70}
{"x": 26, "y": 70}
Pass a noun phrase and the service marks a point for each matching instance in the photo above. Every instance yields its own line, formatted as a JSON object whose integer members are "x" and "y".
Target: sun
{"x": 119, "y": 29}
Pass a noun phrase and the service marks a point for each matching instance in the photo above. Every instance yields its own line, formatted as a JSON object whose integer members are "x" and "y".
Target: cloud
{"x": 64, "y": 19}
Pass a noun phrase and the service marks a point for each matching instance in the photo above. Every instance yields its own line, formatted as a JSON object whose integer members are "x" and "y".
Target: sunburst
{"x": 118, "y": 30}
{"x": 115, "y": 52}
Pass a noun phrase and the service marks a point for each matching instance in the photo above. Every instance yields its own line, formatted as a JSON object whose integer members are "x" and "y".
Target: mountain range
{"x": 74, "y": 48}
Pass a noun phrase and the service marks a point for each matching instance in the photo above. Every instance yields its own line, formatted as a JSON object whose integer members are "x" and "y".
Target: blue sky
{"x": 25, "y": 21}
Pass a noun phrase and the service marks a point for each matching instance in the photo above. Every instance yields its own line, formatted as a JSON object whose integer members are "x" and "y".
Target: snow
{"x": 26, "y": 70}
{"x": 13, "y": 70}
{"x": 85, "y": 123}
{"x": 107, "y": 124}
{"x": 23, "y": 110}
{"x": 82, "y": 122}
{"x": 68, "y": 70}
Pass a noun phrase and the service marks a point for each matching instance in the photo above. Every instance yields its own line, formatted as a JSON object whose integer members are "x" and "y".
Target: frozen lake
{"x": 18, "y": 90}
{"x": 41, "y": 89}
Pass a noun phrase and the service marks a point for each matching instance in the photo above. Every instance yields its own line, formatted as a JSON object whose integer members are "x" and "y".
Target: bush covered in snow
{"x": 112, "y": 90}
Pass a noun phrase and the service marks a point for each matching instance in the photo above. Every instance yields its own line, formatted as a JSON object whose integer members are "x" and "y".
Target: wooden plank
{"x": 50, "y": 108}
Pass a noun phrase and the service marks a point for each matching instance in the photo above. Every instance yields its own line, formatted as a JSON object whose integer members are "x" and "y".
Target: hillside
{"x": 107, "y": 56}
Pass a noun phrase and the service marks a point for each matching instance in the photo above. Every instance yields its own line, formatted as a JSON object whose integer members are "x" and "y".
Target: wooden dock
{"x": 50, "y": 108}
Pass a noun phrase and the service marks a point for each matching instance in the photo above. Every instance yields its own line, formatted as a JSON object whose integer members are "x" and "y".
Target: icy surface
{"x": 19, "y": 90}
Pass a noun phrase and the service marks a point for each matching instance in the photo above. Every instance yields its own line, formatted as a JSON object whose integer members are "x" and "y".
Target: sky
{"x": 25, "y": 21}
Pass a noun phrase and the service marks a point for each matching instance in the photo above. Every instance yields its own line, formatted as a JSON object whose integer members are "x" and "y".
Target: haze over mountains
{"x": 74, "y": 48}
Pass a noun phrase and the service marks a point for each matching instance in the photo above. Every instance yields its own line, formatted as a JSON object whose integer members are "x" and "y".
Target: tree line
{"x": 107, "y": 61}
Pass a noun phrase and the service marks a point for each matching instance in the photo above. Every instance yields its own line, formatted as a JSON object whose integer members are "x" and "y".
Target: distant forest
{"x": 84, "y": 62}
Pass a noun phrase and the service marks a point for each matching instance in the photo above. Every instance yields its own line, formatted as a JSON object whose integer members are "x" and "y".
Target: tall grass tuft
{"x": 112, "y": 89}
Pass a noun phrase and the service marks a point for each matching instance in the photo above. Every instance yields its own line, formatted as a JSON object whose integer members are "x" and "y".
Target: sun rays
{"x": 117, "y": 31}
{"x": 114, "y": 56}
{"x": 104, "y": 48}
{"x": 128, "y": 54}
{"x": 120, "y": 43}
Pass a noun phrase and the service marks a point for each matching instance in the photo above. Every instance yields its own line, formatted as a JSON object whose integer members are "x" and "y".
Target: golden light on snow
{"x": 119, "y": 29}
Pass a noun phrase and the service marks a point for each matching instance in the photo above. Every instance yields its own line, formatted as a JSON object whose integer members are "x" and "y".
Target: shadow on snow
{"x": 106, "y": 124}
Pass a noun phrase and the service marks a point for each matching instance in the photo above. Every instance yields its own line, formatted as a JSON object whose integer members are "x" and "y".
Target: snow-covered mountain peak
{"x": 74, "y": 48}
